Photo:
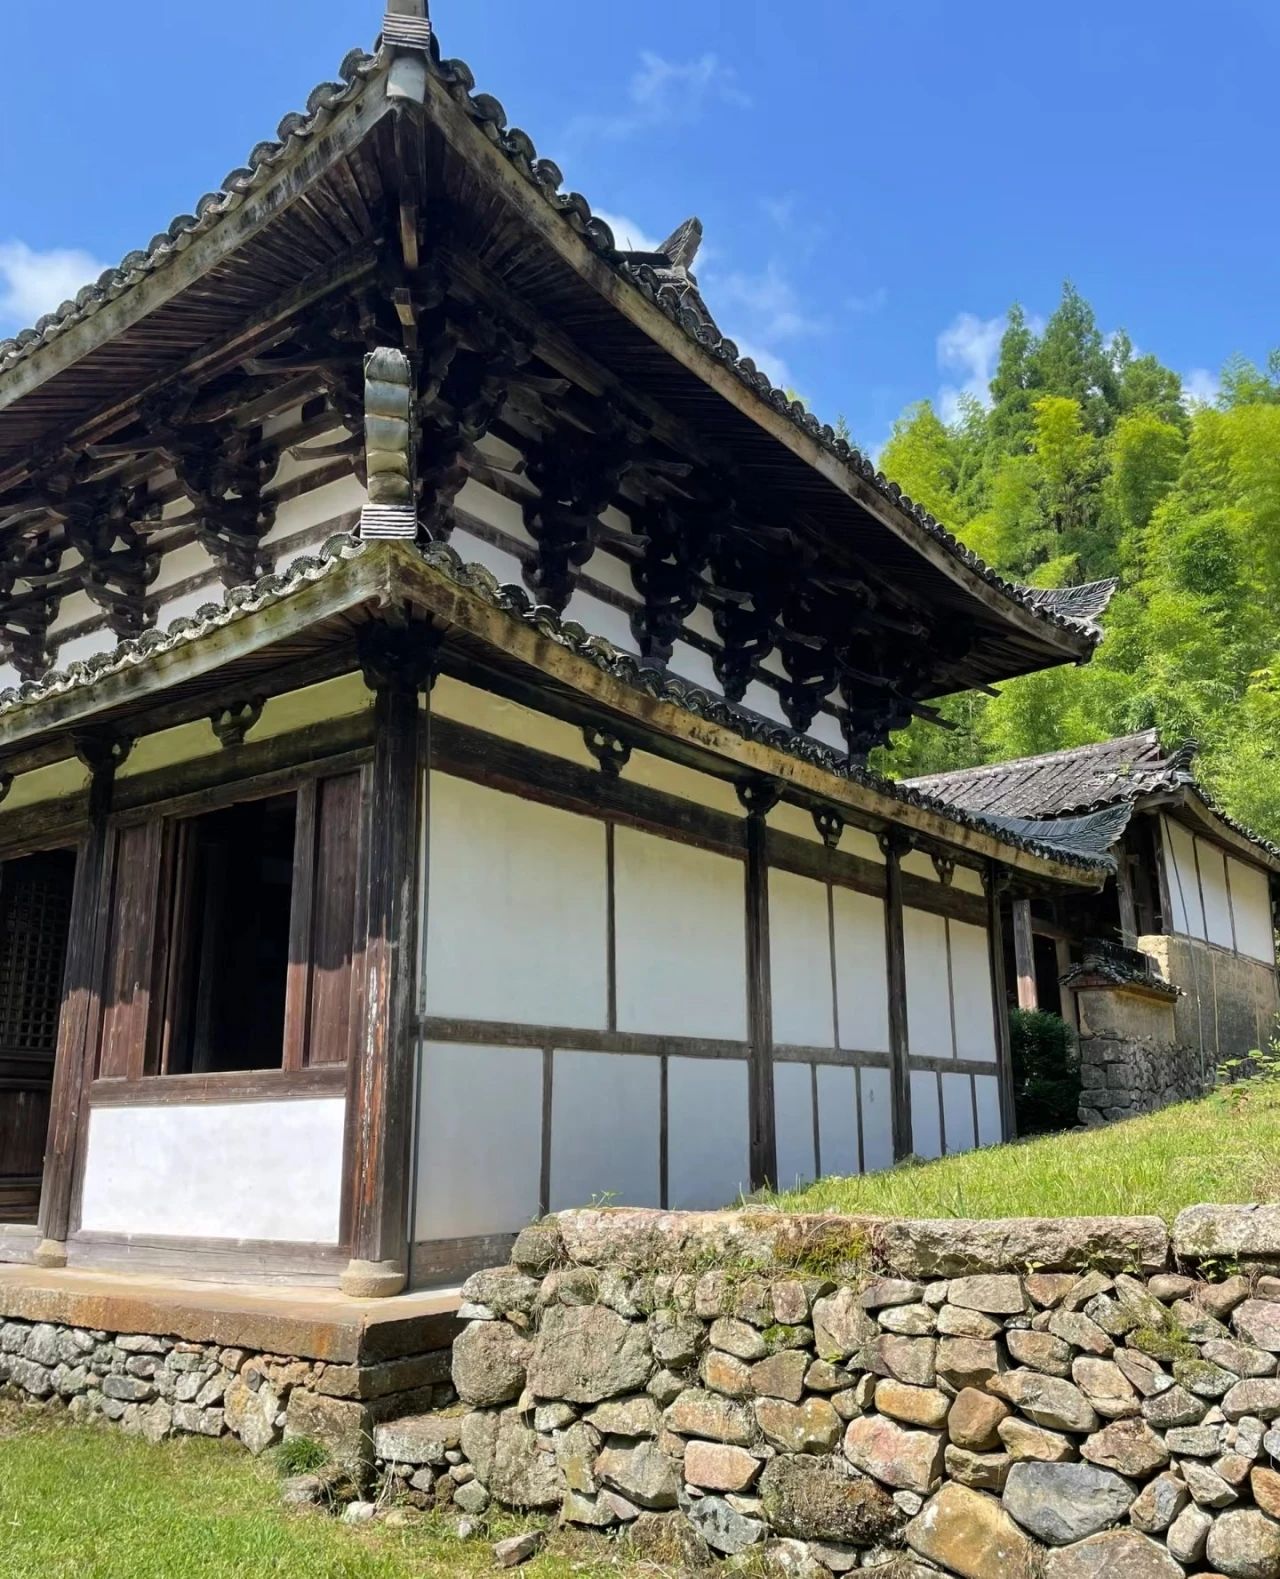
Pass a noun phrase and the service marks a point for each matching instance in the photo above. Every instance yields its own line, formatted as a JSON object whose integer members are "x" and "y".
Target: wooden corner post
{"x": 758, "y": 797}
{"x": 81, "y": 1003}
{"x": 894, "y": 843}
{"x": 996, "y": 880}
{"x": 398, "y": 663}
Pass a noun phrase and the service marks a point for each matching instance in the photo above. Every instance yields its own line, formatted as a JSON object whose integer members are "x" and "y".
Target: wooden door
{"x": 35, "y": 909}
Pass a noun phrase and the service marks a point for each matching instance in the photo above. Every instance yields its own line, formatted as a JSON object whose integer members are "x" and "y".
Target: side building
{"x": 1170, "y": 971}
{"x": 436, "y": 677}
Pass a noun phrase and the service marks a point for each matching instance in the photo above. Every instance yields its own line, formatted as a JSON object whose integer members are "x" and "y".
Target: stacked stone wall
{"x": 1063, "y": 1400}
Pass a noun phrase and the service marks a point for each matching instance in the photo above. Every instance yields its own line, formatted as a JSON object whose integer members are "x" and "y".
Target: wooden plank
{"x": 207, "y": 1260}
{"x": 1024, "y": 955}
{"x": 443, "y": 1263}
{"x": 332, "y": 953}
{"x": 127, "y": 1020}
{"x": 297, "y": 992}
{"x": 257, "y": 1085}
{"x": 893, "y": 846}
{"x": 1124, "y": 893}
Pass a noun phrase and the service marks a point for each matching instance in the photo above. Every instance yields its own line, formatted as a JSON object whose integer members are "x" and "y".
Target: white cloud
{"x": 1200, "y": 387}
{"x": 665, "y": 92}
{"x": 33, "y": 283}
{"x": 872, "y": 302}
{"x": 773, "y": 366}
{"x": 766, "y": 304}
{"x": 628, "y": 236}
{"x": 970, "y": 347}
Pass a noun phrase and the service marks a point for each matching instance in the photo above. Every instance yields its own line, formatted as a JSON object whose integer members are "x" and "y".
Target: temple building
{"x": 437, "y": 673}
{"x": 1169, "y": 973}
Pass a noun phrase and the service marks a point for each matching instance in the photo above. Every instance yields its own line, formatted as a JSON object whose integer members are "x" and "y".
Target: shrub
{"x": 1046, "y": 1071}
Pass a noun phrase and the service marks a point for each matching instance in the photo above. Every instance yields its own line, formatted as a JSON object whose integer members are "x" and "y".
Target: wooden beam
{"x": 994, "y": 879}
{"x": 81, "y": 1006}
{"x": 398, "y": 662}
{"x": 894, "y": 845}
{"x": 1024, "y": 954}
{"x": 1124, "y": 894}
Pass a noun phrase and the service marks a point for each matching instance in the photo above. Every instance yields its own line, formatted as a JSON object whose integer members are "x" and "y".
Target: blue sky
{"x": 877, "y": 181}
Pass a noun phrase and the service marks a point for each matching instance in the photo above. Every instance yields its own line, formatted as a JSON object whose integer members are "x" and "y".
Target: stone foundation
{"x": 977, "y": 1399}
{"x": 158, "y": 1386}
{"x": 1121, "y": 1077}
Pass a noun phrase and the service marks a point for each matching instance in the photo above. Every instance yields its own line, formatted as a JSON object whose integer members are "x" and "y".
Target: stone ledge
{"x": 317, "y": 1324}
{"x": 1202, "y": 1232}
{"x": 645, "y": 1239}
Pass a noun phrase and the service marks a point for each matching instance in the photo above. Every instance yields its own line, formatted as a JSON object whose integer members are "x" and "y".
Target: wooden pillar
{"x": 994, "y": 880}
{"x": 1124, "y": 894}
{"x": 1062, "y": 955}
{"x": 81, "y": 1004}
{"x": 894, "y": 843}
{"x": 398, "y": 662}
{"x": 1024, "y": 955}
{"x": 759, "y": 797}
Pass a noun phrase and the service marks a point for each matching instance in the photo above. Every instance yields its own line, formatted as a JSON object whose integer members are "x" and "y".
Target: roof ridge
{"x": 983, "y": 769}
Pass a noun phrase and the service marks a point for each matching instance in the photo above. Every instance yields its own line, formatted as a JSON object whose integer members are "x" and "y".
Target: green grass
{"x": 1223, "y": 1148}
{"x": 88, "y": 1502}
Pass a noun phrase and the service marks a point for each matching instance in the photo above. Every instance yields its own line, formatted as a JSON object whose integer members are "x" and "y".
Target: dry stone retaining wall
{"x": 1021, "y": 1399}
{"x": 158, "y": 1386}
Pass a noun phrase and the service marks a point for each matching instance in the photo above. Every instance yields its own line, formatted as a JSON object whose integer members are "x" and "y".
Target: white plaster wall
{"x": 967, "y": 881}
{"x": 601, "y": 618}
{"x": 928, "y": 1000}
{"x": 235, "y": 1170}
{"x": 1184, "y": 889}
{"x": 1213, "y": 886}
{"x": 476, "y": 551}
{"x": 308, "y": 510}
{"x": 708, "y": 1154}
{"x": 680, "y": 923}
{"x": 516, "y": 909}
{"x": 479, "y": 1140}
{"x": 926, "y": 1116}
{"x": 793, "y": 1122}
{"x": 957, "y": 1112}
{"x": 605, "y": 1129}
{"x": 55, "y": 782}
{"x": 838, "y": 1119}
{"x": 986, "y": 1089}
{"x": 862, "y": 981}
{"x": 468, "y": 704}
{"x": 800, "y": 959}
{"x": 972, "y": 992}
{"x": 1251, "y": 906}
{"x": 918, "y": 864}
{"x": 877, "y": 1120}
{"x": 672, "y": 778}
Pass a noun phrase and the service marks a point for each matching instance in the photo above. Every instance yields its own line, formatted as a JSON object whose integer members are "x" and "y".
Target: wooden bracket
{"x": 945, "y": 866}
{"x": 894, "y": 841}
{"x": 6, "y": 784}
{"x": 611, "y": 753}
{"x": 233, "y": 722}
{"x": 100, "y": 752}
{"x": 758, "y": 796}
{"x": 830, "y": 825}
{"x": 399, "y": 657}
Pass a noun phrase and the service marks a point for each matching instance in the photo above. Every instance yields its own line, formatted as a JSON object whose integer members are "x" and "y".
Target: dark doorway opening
{"x": 35, "y": 918}
{"x": 230, "y": 938}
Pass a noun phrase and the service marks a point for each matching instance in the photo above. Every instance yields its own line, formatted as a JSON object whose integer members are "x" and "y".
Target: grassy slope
{"x": 1223, "y": 1148}
{"x": 83, "y": 1502}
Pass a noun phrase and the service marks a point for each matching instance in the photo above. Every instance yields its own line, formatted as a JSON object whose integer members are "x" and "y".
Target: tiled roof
{"x": 663, "y": 278}
{"x": 1061, "y": 784}
{"x": 654, "y": 680}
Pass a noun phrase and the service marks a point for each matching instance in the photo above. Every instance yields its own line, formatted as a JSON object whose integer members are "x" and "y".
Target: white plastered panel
{"x": 862, "y": 983}
{"x": 957, "y": 1112}
{"x": 479, "y": 1143}
{"x": 877, "y": 1120}
{"x": 793, "y": 1120}
{"x": 606, "y": 1122}
{"x": 343, "y": 496}
{"x": 468, "y": 704}
{"x": 1251, "y": 906}
{"x": 54, "y": 782}
{"x": 694, "y": 665}
{"x": 838, "y": 1119}
{"x": 918, "y": 864}
{"x": 708, "y": 1159}
{"x": 986, "y": 1089}
{"x": 800, "y": 959}
{"x": 1213, "y": 886}
{"x": 972, "y": 992}
{"x": 672, "y": 778}
{"x": 928, "y": 1001}
{"x": 680, "y": 923}
{"x": 967, "y": 880}
{"x": 517, "y": 911}
{"x": 926, "y": 1115}
{"x": 476, "y": 551}
{"x": 227, "y": 1170}
{"x": 601, "y": 619}
{"x": 1184, "y": 887}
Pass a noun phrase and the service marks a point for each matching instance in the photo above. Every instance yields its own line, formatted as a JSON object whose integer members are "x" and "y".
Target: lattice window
{"x": 35, "y": 909}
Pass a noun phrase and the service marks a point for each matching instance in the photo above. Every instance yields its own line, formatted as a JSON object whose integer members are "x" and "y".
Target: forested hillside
{"x": 1089, "y": 462}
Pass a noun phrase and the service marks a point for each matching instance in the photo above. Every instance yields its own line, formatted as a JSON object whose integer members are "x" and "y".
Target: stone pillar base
{"x": 373, "y": 1279}
{"x": 50, "y": 1253}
